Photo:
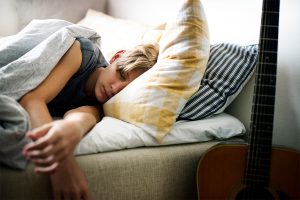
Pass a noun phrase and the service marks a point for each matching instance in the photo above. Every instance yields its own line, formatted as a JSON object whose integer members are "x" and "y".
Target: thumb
{"x": 39, "y": 132}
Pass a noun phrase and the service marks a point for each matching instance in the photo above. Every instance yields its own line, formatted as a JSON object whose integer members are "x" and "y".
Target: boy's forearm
{"x": 38, "y": 112}
{"x": 83, "y": 120}
{"x": 84, "y": 117}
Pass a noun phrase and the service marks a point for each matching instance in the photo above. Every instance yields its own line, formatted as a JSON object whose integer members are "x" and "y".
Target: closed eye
{"x": 122, "y": 76}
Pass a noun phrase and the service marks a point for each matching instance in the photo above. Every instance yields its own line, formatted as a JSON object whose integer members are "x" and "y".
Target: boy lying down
{"x": 75, "y": 90}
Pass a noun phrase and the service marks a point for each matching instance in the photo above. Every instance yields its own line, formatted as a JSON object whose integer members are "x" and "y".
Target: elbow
{"x": 29, "y": 100}
{"x": 25, "y": 100}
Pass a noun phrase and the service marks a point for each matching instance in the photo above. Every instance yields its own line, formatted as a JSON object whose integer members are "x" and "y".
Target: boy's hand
{"x": 52, "y": 143}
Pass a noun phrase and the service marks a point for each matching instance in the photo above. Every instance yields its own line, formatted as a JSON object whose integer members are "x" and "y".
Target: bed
{"x": 120, "y": 159}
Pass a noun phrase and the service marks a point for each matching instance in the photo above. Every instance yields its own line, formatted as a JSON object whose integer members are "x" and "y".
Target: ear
{"x": 116, "y": 56}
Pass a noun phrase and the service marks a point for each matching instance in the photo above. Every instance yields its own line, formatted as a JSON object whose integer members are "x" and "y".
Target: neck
{"x": 91, "y": 82}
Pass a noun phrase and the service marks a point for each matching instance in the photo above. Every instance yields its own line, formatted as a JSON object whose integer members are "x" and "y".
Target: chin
{"x": 100, "y": 98}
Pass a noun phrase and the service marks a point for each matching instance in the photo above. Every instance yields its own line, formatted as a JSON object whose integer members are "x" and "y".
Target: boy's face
{"x": 110, "y": 82}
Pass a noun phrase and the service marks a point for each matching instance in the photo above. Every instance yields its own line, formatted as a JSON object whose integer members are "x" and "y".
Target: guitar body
{"x": 256, "y": 170}
{"x": 221, "y": 171}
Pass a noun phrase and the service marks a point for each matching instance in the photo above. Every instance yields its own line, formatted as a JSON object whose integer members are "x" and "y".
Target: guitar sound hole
{"x": 253, "y": 193}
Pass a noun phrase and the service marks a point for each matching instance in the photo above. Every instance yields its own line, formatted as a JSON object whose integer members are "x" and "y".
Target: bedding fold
{"x": 14, "y": 123}
{"x": 26, "y": 59}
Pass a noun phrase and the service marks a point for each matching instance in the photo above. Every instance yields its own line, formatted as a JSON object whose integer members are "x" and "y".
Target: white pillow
{"x": 154, "y": 100}
{"x": 112, "y": 134}
{"x": 116, "y": 34}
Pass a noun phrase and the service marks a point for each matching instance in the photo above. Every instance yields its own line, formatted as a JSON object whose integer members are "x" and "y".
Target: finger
{"x": 41, "y": 154}
{"x": 43, "y": 162}
{"x": 39, "y": 131}
{"x": 55, "y": 153}
{"x": 41, "y": 143}
{"x": 34, "y": 135}
{"x": 49, "y": 160}
{"x": 37, "y": 146}
{"x": 46, "y": 170}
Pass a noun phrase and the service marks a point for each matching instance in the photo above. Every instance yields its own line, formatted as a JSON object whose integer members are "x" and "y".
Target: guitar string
{"x": 258, "y": 160}
{"x": 258, "y": 98}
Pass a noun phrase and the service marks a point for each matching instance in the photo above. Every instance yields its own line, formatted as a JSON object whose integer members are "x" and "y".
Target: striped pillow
{"x": 229, "y": 68}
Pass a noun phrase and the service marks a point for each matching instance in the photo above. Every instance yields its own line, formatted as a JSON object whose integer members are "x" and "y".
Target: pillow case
{"x": 116, "y": 33}
{"x": 112, "y": 134}
{"x": 154, "y": 100}
{"x": 229, "y": 68}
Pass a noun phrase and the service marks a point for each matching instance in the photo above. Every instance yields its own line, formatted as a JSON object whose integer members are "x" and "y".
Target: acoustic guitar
{"x": 256, "y": 170}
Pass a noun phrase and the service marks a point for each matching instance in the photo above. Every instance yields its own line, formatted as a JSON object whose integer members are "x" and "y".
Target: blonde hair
{"x": 141, "y": 57}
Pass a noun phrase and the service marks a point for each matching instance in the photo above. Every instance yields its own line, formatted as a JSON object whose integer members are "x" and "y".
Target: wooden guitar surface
{"x": 221, "y": 171}
{"x": 256, "y": 170}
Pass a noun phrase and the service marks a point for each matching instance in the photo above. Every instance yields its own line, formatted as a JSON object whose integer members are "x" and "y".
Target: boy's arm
{"x": 67, "y": 180}
{"x": 57, "y": 140}
{"x": 35, "y": 101}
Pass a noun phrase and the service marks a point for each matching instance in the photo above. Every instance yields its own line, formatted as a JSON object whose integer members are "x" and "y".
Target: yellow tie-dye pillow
{"x": 155, "y": 99}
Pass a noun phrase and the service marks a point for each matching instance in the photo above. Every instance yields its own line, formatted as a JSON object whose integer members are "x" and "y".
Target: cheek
{"x": 98, "y": 94}
{"x": 109, "y": 77}
{"x": 104, "y": 79}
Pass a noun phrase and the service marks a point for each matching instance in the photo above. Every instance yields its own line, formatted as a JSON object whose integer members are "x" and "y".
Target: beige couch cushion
{"x": 146, "y": 173}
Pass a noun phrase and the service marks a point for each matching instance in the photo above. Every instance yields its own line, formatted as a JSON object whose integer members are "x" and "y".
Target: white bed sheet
{"x": 112, "y": 134}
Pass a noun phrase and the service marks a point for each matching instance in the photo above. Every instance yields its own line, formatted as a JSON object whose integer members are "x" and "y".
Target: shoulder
{"x": 73, "y": 57}
{"x": 91, "y": 56}
{"x": 85, "y": 44}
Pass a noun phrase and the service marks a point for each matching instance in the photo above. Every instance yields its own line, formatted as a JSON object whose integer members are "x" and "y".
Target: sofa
{"x": 150, "y": 172}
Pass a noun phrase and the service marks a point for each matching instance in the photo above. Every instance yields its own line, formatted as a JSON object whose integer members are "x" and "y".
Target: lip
{"x": 104, "y": 93}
